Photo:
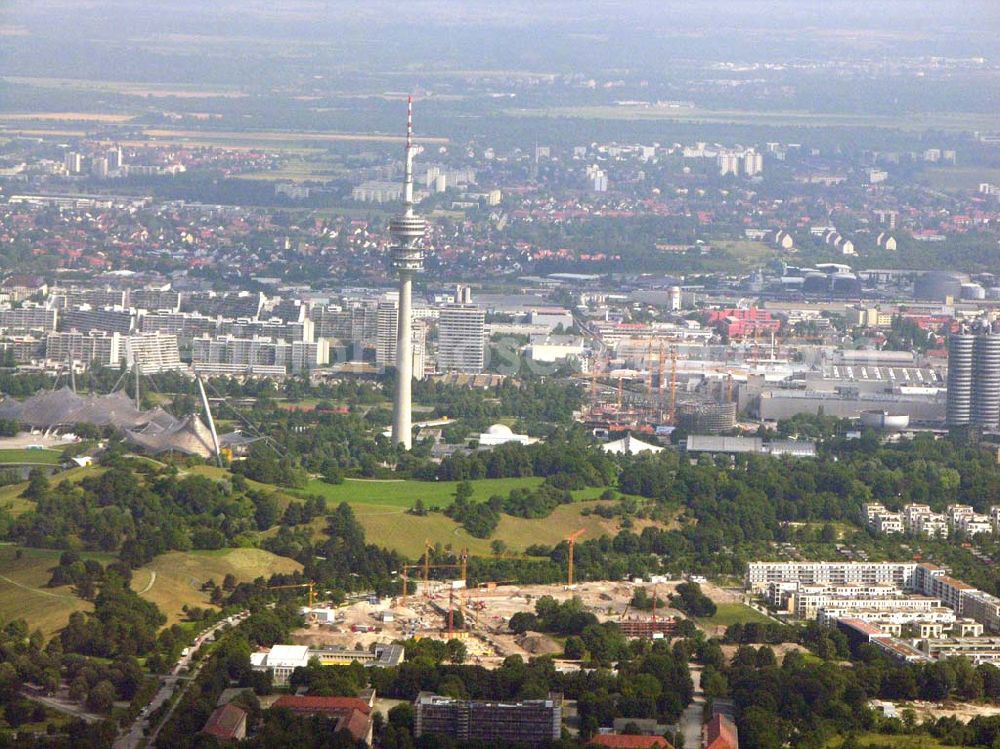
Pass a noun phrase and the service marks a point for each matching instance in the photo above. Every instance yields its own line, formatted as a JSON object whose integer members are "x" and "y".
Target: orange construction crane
{"x": 673, "y": 385}
{"x": 571, "y": 540}
{"x": 661, "y": 369}
{"x": 426, "y": 568}
{"x": 311, "y": 586}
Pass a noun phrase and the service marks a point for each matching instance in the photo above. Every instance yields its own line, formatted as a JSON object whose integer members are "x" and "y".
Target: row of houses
{"x": 920, "y": 520}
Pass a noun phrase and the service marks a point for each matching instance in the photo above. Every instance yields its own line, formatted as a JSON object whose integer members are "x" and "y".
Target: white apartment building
{"x": 900, "y": 574}
{"x": 249, "y": 353}
{"x": 808, "y": 606}
{"x": 84, "y": 348}
{"x": 461, "y": 339}
{"x": 984, "y": 608}
{"x": 973, "y": 525}
{"x": 887, "y": 523}
{"x": 154, "y": 352}
{"x": 942, "y": 616}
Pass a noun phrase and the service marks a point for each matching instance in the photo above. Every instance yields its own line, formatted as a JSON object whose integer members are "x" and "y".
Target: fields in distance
{"x": 773, "y": 118}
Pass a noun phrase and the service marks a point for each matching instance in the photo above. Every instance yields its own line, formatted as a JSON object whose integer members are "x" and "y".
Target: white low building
{"x": 629, "y": 445}
{"x": 281, "y": 661}
{"x": 501, "y": 434}
{"x": 553, "y": 348}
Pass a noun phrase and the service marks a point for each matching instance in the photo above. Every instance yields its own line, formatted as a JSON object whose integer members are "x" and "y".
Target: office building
{"x": 530, "y": 722}
{"x": 974, "y": 379}
{"x": 461, "y": 339}
{"x": 281, "y": 661}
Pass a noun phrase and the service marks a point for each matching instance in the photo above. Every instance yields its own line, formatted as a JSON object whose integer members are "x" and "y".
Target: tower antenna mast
{"x": 407, "y": 230}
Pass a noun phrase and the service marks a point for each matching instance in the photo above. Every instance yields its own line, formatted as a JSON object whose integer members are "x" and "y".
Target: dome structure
{"x": 500, "y": 430}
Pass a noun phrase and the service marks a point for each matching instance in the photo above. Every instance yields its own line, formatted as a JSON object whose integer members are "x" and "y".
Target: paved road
{"x": 131, "y": 738}
{"x": 66, "y": 706}
{"x": 691, "y": 718}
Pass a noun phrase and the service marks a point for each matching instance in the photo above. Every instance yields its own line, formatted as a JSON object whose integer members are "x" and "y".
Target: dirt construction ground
{"x": 487, "y": 612}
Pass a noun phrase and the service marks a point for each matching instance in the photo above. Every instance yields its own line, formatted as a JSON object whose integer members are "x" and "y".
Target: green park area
{"x": 734, "y": 613}
{"x": 24, "y": 456}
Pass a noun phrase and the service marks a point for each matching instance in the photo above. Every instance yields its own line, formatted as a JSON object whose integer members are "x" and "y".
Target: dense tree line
{"x": 572, "y": 459}
{"x": 121, "y": 623}
{"x": 140, "y": 512}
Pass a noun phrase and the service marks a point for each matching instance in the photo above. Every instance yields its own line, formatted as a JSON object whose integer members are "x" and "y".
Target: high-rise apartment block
{"x": 28, "y": 319}
{"x": 153, "y": 352}
{"x": 461, "y": 339}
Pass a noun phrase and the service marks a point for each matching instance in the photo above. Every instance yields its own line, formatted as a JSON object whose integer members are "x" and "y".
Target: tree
{"x": 102, "y": 697}
{"x": 38, "y": 485}
{"x": 498, "y": 547}
{"x": 522, "y": 622}
{"x": 573, "y": 650}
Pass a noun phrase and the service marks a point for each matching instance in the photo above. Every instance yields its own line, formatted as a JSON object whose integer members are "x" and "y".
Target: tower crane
{"x": 673, "y": 384}
{"x": 571, "y": 540}
{"x": 310, "y": 585}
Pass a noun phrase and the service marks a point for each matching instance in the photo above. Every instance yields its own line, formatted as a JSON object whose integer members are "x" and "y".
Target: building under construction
{"x": 648, "y": 628}
{"x": 707, "y": 418}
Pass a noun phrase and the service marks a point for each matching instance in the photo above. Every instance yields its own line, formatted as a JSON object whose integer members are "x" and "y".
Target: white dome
{"x": 499, "y": 430}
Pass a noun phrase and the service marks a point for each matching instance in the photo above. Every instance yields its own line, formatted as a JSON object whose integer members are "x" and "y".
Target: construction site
{"x": 650, "y": 385}
{"x": 484, "y": 613}
{"x": 448, "y": 608}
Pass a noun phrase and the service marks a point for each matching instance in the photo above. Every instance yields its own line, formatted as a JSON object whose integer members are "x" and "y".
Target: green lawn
{"x": 395, "y": 529}
{"x": 22, "y": 456}
{"x": 403, "y": 494}
{"x": 734, "y": 613}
